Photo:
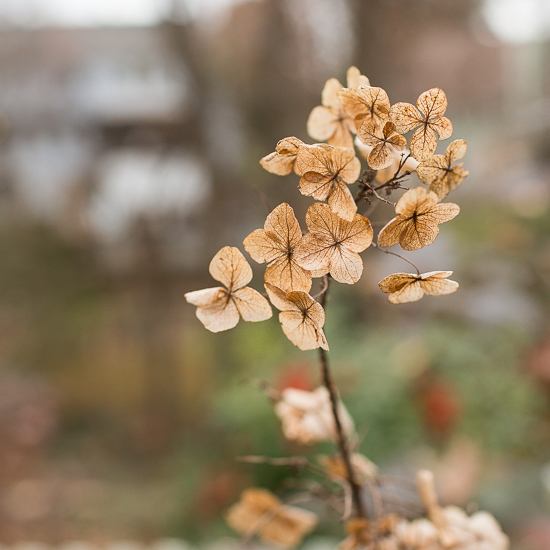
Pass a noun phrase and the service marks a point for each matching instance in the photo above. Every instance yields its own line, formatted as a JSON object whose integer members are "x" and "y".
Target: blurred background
{"x": 131, "y": 133}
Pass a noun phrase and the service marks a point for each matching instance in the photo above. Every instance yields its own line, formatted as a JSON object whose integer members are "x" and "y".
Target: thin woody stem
{"x": 341, "y": 438}
{"x": 396, "y": 255}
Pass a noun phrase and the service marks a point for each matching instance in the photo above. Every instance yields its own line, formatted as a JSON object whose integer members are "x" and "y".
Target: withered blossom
{"x": 432, "y": 105}
{"x": 274, "y": 245}
{"x": 410, "y": 287}
{"x": 261, "y": 513}
{"x": 439, "y": 173}
{"x": 417, "y": 220}
{"x": 283, "y": 160}
{"x": 219, "y": 308}
{"x": 383, "y": 142}
{"x": 366, "y": 104}
{"x": 301, "y": 317}
{"x": 306, "y": 416}
{"x": 327, "y": 172}
{"x": 332, "y": 244}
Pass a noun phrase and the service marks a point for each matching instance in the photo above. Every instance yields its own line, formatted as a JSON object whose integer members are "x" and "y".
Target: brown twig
{"x": 341, "y": 439}
{"x": 397, "y": 255}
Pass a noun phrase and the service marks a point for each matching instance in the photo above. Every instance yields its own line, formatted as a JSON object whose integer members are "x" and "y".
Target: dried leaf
{"x": 306, "y": 416}
{"x": 260, "y": 512}
{"x": 329, "y": 122}
{"x": 282, "y": 161}
{"x": 332, "y": 245}
{"x": 384, "y": 141}
{"x": 366, "y": 104}
{"x": 274, "y": 245}
{"x": 219, "y": 308}
{"x": 326, "y": 172}
{"x": 416, "y": 223}
{"x": 301, "y": 317}
{"x": 429, "y": 116}
{"x": 438, "y": 172}
{"x": 407, "y": 287}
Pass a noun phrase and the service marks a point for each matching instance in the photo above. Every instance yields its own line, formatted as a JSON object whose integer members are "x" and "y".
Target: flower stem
{"x": 341, "y": 439}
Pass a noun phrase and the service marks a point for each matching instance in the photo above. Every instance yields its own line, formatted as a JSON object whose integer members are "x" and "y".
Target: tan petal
{"x": 380, "y": 157}
{"x": 442, "y": 213}
{"x": 369, "y": 133}
{"x": 398, "y": 142}
{"x": 405, "y": 117}
{"x": 342, "y": 136}
{"x": 341, "y": 201}
{"x": 322, "y": 123}
{"x": 286, "y": 274}
{"x": 206, "y": 297}
{"x": 302, "y": 334}
{"x": 443, "y": 127}
{"x": 219, "y": 316}
{"x": 345, "y": 266}
{"x": 442, "y": 186}
{"x": 409, "y": 293}
{"x": 289, "y": 146}
{"x": 366, "y": 104}
{"x": 414, "y": 200}
{"x": 431, "y": 169}
{"x": 316, "y": 158}
{"x": 346, "y": 165}
{"x": 315, "y": 253}
{"x": 252, "y": 305}
{"x": 455, "y": 151}
{"x": 262, "y": 248}
{"x": 397, "y": 281}
{"x": 390, "y": 234}
{"x": 423, "y": 143}
{"x": 313, "y": 184}
{"x": 432, "y": 103}
{"x": 277, "y": 297}
{"x": 435, "y": 283}
{"x": 355, "y": 78}
{"x": 282, "y": 223}
{"x": 418, "y": 233}
{"x": 280, "y": 165}
{"x": 230, "y": 267}
{"x": 329, "y": 96}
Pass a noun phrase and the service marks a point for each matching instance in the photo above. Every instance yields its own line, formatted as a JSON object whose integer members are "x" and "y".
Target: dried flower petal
{"x": 332, "y": 245}
{"x": 384, "y": 141}
{"x": 416, "y": 223}
{"x": 327, "y": 171}
{"x": 282, "y": 161}
{"x": 329, "y": 122}
{"x": 407, "y": 287}
{"x": 432, "y": 105}
{"x": 275, "y": 244}
{"x": 301, "y": 317}
{"x": 366, "y": 104}
{"x": 355, "y": 78}
{"x": 260, "y": 512}
{"x": 219, "y": 308}
{"x": 438, "y": 172}
{"x": 306, "y": 417}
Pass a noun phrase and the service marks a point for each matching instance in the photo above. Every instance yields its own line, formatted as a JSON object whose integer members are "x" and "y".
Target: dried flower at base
{"x": 383, "y": 142}
{"x": 365, "y": 470}
{"x": 327, "y": 172}
{"x": 261, "y": 513}
{"x": 403, "y": 288}
{"x": 283, "y": 160}
{"x": 301, "y": 317}
{"x": 439, "y": 173}
{"x": 275, "y": 244}
{"x": 417, "y": 220}
{"x": 307, "y": 418}
{"x": 432, "y": 105}
{"x": 362, "y": 533}
{"x": 219, "y": 308}
{"x": 329, "y": 121}
{"x": 332, "y": 245}
{"x": 366, "y": 104}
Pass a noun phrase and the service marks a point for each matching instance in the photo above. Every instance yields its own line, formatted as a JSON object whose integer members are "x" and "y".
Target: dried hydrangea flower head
{"x": 261, "y": 513}
{"x": 327, "y": 172}
{"x": 384, "y": 141}
{"x": 219, "y": 308}
{"x": 274, "y": 245}
{"x": 306, "y": 417}
{"x": 333, "y": 244}
{"x": 366, "y": 104}
{"x": 409, "y": 287}
{"x": 417, "y": 220}
{"x": 439, "y": 173}
{"x": 283, "y": 160}
{"x": 329, "y": 121}
{"x": 429, "y": 120}
{"x": 301, "y": 317}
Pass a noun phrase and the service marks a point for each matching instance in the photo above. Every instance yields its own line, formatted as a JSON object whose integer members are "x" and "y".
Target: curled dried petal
{"x": 407, "y": 287}
{"x": 282, "y": 161}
